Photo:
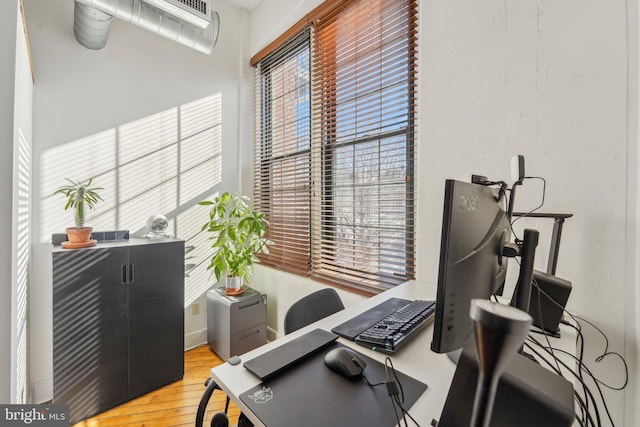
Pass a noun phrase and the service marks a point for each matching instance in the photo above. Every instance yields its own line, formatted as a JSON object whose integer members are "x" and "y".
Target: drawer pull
{"x": 250, "y": 334}
{"x": 256, "y": 302}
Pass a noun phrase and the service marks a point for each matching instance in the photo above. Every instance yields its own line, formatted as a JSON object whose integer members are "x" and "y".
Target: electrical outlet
{"x": 195, "y": 309}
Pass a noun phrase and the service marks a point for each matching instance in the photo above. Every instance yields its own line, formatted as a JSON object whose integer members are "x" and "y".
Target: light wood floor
{"x": 175, "y": 404}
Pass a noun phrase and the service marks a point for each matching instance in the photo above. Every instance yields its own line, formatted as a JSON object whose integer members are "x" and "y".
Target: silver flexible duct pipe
{"x": 90, "y": 20}
{"x": 90, "y": 26}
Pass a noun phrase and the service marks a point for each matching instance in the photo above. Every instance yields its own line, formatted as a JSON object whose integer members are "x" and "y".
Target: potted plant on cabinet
{"x": 237, "y": 234}
{"x": 81, "y": 196}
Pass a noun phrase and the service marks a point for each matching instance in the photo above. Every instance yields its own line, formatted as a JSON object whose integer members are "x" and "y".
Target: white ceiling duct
{"x": 91, "y": 26}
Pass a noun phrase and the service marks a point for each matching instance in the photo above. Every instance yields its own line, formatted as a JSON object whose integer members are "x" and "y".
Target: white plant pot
{"x": 234, "y": 283}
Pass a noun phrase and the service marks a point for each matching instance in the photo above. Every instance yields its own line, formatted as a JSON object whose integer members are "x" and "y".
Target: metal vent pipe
{"x": 90, "y": 26}
{"x": 91, "y": 16}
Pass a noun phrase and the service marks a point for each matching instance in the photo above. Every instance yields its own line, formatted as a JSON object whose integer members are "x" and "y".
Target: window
{"x": 283, "y": 170}
{"x": 335, "y": 146}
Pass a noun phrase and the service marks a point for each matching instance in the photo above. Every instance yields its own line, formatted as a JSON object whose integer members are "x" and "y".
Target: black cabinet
{"x": 118, "y": 322}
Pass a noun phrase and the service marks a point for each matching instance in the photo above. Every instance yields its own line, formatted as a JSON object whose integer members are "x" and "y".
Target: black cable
{"x": 502, "y": 188}
{"x": 393, "y": 371}
{"x": 534, "y": 282}
{"x": 590, "y": 395}
{"x": 579, "y": 329}
{"x": 580, "y": 345}
{"x": 582, "y": 367}
{"x": 578, "y": 375}
{"x": 586, "y": 416}
{"x": 599, "y": 358}
{"x": 585, "y": 407}
{"x": 605, "y": 353}
{"x": 586, "y": 369}
{"x": 393, "y": 393}
{"x": 392, "y": 389}
{"x": 368, "y": 382}
{"x": 395, "y": 386}
{"x": 589, "y": 399}
{"x": 544, "y": 190}
{"x": 595, "y": 379}
{"x": 555, "y": 369}
{"x": 606, "y": 349}
{"x": 395, "y": 411}
{"x": 404, "y": 411}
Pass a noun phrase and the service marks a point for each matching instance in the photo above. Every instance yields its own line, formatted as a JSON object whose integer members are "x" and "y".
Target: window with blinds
{"x": 335, "y": 146}
{"x": 283, "y": 170}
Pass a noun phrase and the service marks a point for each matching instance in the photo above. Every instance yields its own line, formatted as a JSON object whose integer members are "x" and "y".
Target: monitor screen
{"x": 475, "y": 228}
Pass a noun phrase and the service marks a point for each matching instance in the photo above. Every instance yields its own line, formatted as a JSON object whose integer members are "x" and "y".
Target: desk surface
{"x": 415, "y": 358}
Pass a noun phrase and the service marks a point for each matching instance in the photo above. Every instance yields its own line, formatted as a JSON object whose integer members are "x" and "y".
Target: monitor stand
{"x": 522, "y": 294}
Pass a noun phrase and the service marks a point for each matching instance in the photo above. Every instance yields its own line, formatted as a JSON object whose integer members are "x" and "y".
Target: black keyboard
{"x": 395, "y": 330}
{"x": 363, "y": 321}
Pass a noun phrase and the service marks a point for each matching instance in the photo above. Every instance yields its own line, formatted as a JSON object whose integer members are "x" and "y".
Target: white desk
{"x": 415, "y": 358}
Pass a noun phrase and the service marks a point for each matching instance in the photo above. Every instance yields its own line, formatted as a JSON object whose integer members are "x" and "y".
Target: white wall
{"x": 21, "y": 218}
{"x": 80, "y": 92}
{"x": 544, "y": 79}
{"x": 632, "y": 411}
{"x": 8, "y": 14}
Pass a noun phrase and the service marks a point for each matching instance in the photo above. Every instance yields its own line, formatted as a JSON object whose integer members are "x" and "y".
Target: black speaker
{"x": 547, "y": 305}
{"x": 528, "y": 395}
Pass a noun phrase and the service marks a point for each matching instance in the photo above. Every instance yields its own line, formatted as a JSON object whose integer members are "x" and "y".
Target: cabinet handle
{"x": 249, "y": 305}
{"x": 250, "y": 334}
{"x": 123, "y": 279}
{"x": 132, "y": 277}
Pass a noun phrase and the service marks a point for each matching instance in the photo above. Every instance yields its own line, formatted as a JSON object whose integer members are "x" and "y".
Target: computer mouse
{"x": 345, "y": 362}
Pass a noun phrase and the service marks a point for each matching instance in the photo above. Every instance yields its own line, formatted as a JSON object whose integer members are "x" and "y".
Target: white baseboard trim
{"x": 272, "y": 334}
{"x": 195, "y": 339}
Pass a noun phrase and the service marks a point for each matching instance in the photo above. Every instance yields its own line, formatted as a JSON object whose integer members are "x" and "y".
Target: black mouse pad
{"x": 310, "y": 394}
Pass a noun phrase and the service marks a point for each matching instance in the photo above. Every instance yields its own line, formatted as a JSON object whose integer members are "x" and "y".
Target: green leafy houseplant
{"x": 237, "y": 234}
{"x": 81, "y": 196}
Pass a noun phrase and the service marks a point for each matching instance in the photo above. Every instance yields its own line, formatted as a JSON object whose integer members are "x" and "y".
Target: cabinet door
{"x": 156, "y": 316}
{"x": 89, "y": 330}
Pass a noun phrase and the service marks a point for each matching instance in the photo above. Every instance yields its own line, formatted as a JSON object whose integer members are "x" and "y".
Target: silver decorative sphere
{"x": 156, "y": 225}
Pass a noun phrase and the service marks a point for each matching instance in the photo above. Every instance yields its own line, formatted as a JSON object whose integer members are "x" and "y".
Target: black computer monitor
{"x": 475, "y": 228}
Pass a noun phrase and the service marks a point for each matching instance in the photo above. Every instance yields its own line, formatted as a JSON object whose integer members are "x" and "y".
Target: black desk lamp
{"x": 500, "y": 331}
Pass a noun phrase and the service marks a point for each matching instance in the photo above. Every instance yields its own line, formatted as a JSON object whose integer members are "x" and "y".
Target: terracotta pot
{"x": 79, "y": 235}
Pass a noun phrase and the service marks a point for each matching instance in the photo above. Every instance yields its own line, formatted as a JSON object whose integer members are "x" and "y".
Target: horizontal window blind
{"x": 283, "y": 154}
{"x": 363, "y": 98}
{"x": 335, "y": 146}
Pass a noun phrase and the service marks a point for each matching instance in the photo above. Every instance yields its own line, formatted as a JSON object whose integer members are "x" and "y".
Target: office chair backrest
{"x": 313, "y": 307}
